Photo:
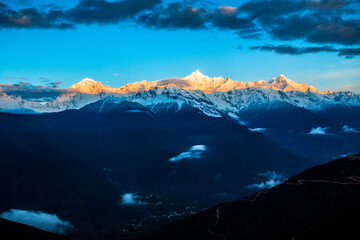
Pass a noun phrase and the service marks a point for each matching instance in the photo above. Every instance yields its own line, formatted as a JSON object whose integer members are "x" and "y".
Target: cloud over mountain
{"x": 28, "y": 90}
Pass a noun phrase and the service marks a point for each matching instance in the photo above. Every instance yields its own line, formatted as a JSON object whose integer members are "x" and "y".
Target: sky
{"x": 47, "y": 45}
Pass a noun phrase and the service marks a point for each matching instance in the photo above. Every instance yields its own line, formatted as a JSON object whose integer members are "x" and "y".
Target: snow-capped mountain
{"x": 213, "y": 96}
{"x": 16, "y": 102}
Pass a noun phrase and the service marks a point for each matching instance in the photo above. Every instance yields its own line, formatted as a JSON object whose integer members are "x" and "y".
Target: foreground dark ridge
{"x": 316, "y": 203}
{"x": 13, "y": 230}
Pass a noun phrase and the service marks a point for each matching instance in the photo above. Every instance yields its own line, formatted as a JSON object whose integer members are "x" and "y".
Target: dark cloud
{"x": 102, "y": 11}
{"x": 286, "y": 49}
{"x": 314, "y": 27}
{"x": 175, "y": 15}
{"x": 315, "y": 21}
{"x": 27, "y": 90}
{"x": 290, "y": 50}
{"x": 53, "y": 84}
{"x": 266, "y": 8}
{"x": 227, "y": 17}
{"x": 349, "y": 52}
{"x": 263, "y": 9}
{"x": 346, "y": 32}
{"x": 325, "y": 4}
{"x": 311, "y": 21}
{"x": 290, "y": 27}
{"x": 32, "y": 18}
{"x": 180, "y": 15}
{"x": 86, "y": 12}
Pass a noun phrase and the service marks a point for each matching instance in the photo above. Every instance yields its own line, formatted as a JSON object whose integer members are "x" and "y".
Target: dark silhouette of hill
{"x": 11, "y": 231}
{"x": 319, "y": 203}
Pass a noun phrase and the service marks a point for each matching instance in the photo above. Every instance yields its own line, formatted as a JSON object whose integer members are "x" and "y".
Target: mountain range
{"x": 115, "y": 162}
{"x": 282, "y": 109}
{"x": 214, "y": 96}
{"x": 121, "y": 162}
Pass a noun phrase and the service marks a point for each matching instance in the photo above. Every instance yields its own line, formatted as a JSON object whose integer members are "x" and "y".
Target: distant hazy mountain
{"x": 320, "y": 203}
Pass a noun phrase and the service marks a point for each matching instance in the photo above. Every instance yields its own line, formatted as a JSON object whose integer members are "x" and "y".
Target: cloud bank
{"x": 194, "y": 152}
{"x": 29, "y": 91}
{"x": 318, "y": 131}
{"x": 290, "y": 50}
{"x": 271, "y": 179}
{"x": 44, "y": 221}
{"x": 334, "y": 22}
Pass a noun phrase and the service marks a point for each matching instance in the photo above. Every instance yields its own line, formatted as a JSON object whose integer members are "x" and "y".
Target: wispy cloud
{"x": 257, "y": 129}
{"x": 348, "y": 129}
{"x": 45, "y": 221}
{"x": 29, "y": 91}
{"x": 270, "y": 179}
{"x": 117, "y": 75}
{"x": 318, "y": 131}
{"x": 291, "y": 50}
{"x": 194, "y": 152}
{"x": 348, "y": 73}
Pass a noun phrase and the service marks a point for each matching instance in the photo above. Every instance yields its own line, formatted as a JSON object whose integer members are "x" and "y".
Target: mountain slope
{"x": 283, "y": 212}
{"x": 79, "y": 163}
{"x": 13, "y": 230}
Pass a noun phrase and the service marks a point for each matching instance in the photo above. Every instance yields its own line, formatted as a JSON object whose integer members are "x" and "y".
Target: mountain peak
{"x": 284, "y": 79}
{"x": 198, "y": 75}
{"x": 88, "y": 80}
{"x": 286, "y": 84}
{"x": 88, "y": 85}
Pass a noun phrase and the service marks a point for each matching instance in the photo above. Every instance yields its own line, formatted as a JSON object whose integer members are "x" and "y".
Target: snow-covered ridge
{"x": 195, "y": 81}
{"x": 213, "y": 96}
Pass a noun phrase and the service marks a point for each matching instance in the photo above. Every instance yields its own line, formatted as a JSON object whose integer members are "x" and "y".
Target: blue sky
{"x": 121, "y": 49}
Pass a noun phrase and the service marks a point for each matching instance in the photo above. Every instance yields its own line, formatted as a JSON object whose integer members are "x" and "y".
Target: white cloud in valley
{"x": 44, "y": 221}
{"x": 257, "y": 129}
{"x": 131, "y": 199}
{"x": 269, "y": 179}
{"x": 193, "y": 152}
{"x": 348, "y": 129}
{"x": 318, "y": 131}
